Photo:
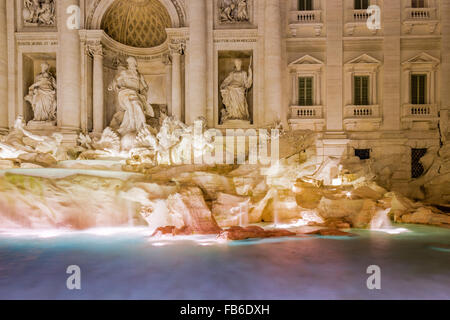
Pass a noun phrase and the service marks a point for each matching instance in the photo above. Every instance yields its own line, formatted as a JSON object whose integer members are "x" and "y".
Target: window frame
{"x": 417, "y": 5}
{"x": 306, "y": 102}
{"x": 368, "y": 90}
{"x": 360, "y": 4}
{"x": 420, "y": 100}
{"x": 306, "y": 4}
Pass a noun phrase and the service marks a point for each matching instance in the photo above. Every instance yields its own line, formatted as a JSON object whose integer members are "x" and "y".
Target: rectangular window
{"x": 361, "y": 91}
{"x": 418, "y": 4}
{"x": 363, "y": 154}
{"x": 417, "y": 169}
{"x": 361, "y": 4}
{"x": 418, "y": 88}
{"x": 305, "y": 5}
{"x": 305, "y": 91}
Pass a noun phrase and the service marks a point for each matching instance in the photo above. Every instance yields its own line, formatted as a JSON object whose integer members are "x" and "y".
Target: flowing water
{"x": 126, "y": 264}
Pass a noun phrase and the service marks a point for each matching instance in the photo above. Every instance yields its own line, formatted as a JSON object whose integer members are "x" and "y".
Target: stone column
{"x": 197, "y": 60}
{"x": 69, "y": 72}
{"x": 176, "y": 51}
{"x": 273, "y": 77}
{"x": 167, "y": 61}
{"x": 97, "y": 91}
{"x": 3, "y": 69}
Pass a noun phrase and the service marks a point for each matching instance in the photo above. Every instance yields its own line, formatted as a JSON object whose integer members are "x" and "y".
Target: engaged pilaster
{"x": 273, "y": 61}
{"x": 69, "y": 71}
{"x": 197, "y": 60}
{"x": 3, "y": 69}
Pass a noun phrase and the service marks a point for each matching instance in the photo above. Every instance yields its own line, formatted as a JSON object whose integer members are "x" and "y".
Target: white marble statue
{"x": 234, "y": 11}
{"x": 42, "y": 95}
{"x": 131, "y": 89}
{"x": 234, "y": 91}
{"x": 39, "y": 12}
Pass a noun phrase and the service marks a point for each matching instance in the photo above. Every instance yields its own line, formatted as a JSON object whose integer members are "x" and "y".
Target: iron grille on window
{"x": 305, "y": 5}
{"x": 363, "y": 154}
{"x": 361, "y": 4}
{"x": 417, "y": 169}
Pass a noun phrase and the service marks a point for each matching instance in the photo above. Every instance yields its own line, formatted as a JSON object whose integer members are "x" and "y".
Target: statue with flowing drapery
{"x": 42, "y": 95}
{"x": 132, "y": 90}
{"x": 234, "y": 93}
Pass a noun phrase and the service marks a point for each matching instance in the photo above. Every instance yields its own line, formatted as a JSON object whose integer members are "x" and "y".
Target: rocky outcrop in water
{"x": 197, "y": 217}
{"x": 251, "y": 232}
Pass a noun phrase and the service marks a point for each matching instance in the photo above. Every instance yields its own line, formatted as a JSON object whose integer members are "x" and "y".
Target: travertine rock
{"x": 426, "y": 216}
{"x": 6, "y": 164}
{"x": 212, "y": 184}
{"x": 358, "y": 212}
{"x": 308, "y": 196}
{"x": 230, "y": 210}
{"x": 331, "y": 232}
{"x": 239, "y": 233}
{"x": 189, "y": 203}
{"x": 42, "y": 159}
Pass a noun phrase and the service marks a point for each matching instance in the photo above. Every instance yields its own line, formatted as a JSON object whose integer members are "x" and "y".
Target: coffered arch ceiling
{"x": 137, "y": 23}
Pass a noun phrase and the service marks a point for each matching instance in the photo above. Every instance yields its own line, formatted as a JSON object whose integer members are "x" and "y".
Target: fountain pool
{"x": 125, "y": 264}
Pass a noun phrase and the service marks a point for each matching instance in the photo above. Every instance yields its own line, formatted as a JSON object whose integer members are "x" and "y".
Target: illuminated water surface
{"x": 125, "y": 264}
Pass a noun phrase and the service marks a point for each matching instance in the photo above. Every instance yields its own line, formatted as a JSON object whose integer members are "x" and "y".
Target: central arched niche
{"x": 137, "y": 23}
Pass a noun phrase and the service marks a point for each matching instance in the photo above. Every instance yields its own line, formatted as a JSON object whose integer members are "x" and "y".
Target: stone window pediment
{"x": 307, "y": 67}
{"x": 364, "y": 62}
{"x": 422, "y": 60}
{"x": 306, "y": 62}
{"x": 424, "y": 109}
{"x": 362, "y": 113}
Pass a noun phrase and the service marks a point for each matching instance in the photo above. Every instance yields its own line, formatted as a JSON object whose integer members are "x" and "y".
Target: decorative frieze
{"x": 233, "y": 11}
{"x": 39, "y": 12}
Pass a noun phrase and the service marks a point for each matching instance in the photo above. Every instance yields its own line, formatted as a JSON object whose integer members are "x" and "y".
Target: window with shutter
{"x": 305, "y": 91}
{"x": 361, "y": 4}
{"x": 305, "y": 5}
{"x": 361, "y": 90}
{"x": 418, "y": 88}
{"x": 418, "y": 4}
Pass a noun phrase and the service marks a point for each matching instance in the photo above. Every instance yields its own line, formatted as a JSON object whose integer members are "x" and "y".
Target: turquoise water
{"x": 125, "y": 264}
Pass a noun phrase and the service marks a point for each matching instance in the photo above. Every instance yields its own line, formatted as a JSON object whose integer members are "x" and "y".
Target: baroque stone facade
{"x": 382, "y": 93}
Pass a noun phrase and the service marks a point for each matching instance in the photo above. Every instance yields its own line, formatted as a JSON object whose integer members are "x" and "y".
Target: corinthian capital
{"x": 94, "y": 49}
{"x": 177, "y": 47}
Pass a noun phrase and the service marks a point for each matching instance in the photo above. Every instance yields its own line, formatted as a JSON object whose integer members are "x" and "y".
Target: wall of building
{"x": 331, "y": 42}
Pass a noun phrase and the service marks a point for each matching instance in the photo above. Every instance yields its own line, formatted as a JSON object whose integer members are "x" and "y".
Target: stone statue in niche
{"x": 234, "y": 11}
{"x": 40, "y": 12}
{"x": 42, "y": 95}
{"x": 132, "y": 95}
{"x": 234, "y": 90}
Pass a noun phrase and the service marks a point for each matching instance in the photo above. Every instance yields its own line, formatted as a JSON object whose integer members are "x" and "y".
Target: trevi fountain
{"x": 203, "y": 150}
